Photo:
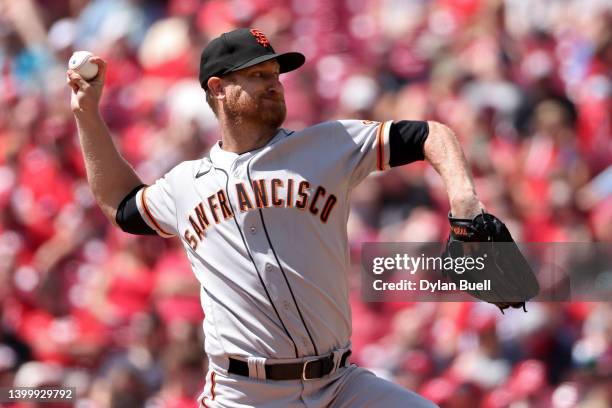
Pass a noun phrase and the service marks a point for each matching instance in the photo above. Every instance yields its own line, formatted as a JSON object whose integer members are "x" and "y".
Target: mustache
{"x": 274, "y": 97}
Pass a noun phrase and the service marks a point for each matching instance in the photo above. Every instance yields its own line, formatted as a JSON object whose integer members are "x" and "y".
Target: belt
{"x": 307, "y": 370}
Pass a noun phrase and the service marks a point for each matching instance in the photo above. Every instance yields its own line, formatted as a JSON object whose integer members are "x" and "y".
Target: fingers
{"x": 75, "y": 87}
{"x": 101, "y": 68}
{"x": 75, "y": 81}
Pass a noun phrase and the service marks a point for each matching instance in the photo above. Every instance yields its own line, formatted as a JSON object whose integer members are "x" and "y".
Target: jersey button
{"x": 253, "y": 230}
{"x": 286, "y": 305}
{"x": 268, "y": 267}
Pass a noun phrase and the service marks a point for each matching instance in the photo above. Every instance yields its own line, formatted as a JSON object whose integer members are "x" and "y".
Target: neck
{"x": 238, "y": 136}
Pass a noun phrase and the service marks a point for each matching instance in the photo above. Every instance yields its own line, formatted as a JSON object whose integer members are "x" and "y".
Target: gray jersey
{"x": 265, "y": 232}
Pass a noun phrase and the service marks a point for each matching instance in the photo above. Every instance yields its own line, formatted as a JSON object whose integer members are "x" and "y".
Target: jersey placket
{"x": 220, "y": 180}
{"x": 258, "y": 241}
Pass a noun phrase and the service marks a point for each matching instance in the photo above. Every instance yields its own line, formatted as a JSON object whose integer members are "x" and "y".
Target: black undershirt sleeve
{"x": 406, "y": 141}
{"x": 128, "y": 217}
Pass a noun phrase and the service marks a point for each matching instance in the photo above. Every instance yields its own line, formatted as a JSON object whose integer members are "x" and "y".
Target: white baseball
{"x": 79, "y": 63}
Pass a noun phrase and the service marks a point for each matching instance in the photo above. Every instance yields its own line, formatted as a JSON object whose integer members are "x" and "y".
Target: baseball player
{"x": 263, "y": 220}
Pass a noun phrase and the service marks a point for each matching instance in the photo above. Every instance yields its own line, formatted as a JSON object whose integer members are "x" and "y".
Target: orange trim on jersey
{"x": 380, "y": 147}
{"x": 143, "y": 201}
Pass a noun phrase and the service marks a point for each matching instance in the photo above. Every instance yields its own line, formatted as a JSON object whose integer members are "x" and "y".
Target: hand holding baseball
{"x": 86, "y": 93}
{"x": 80, "y": 63}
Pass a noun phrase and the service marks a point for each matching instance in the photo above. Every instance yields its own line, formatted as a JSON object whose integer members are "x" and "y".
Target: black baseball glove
{"x": 500, "y": 274}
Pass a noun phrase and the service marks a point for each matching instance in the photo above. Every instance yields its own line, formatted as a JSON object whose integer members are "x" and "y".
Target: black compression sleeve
{"x": 406, "y": 141}
{"x": 128, "y": 217}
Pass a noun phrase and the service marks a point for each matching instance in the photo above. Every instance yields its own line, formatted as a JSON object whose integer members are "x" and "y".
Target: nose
{"x": 274, "y": 88}
{"x": 274, "y": 85}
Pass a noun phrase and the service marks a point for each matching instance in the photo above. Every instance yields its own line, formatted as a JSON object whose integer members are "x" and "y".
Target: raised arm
{"x": 110, "y": 177}
{"x": 443, "y": 151}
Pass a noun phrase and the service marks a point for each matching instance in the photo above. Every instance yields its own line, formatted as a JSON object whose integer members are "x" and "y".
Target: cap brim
{"x": 288, "y": 61}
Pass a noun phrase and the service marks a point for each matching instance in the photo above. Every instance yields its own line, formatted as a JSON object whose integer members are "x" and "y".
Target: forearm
{"x": 110, "y": 177}
{"x": 443, "y": 151}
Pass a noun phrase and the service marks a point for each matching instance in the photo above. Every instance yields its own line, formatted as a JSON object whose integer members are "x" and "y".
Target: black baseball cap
{"x": 242, "y": 48}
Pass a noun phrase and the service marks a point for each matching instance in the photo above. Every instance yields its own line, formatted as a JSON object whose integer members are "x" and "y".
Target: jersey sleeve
{"x": 381, "y": 145}
{"x": 157, "y": 207}
{"x": 371, "y": 147}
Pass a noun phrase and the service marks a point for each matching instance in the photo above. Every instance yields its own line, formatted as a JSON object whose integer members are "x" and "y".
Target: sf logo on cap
{"x": 260, "y": 37}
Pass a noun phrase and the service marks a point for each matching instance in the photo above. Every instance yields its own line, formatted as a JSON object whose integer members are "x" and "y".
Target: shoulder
{"x": 187, "y": 170}
{"x": 339, "y": 126}
{"x": 316, "y": 128}
{"x": 351, "y": 124}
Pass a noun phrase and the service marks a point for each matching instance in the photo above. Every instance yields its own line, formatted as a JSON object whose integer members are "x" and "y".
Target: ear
{"x": 216, "y": 88}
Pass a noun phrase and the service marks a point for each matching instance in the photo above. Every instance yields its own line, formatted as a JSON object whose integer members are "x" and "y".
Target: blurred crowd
{"x": 526, "y": 86}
